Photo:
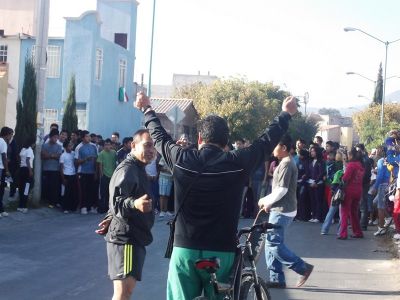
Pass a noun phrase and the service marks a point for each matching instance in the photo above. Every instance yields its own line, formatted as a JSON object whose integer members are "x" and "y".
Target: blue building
{"x": 99, "y": 49}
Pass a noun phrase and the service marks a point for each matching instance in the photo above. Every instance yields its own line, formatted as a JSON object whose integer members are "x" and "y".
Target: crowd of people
{"x": 366, "y": 182}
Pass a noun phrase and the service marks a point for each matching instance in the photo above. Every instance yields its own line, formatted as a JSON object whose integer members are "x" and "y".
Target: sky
{"x": 299, "y": 45}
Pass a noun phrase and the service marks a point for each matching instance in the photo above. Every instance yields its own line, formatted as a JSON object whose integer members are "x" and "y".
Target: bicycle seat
{"x": 211, "y": 265}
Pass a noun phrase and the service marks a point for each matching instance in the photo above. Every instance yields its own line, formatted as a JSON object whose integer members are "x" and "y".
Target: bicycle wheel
{"x": 248, "y": 292}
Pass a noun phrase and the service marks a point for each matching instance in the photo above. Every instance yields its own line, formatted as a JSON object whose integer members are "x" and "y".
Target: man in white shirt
{"x": 6, "y": 135}
{"x": 282, "y": 206}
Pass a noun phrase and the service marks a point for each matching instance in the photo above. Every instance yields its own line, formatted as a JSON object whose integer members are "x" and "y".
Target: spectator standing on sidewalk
{"x": 85, "y": 160}
{"x": 68, "y": 178}
{"x": 125, "y": 149}
{"x": 106, "y": 164}
{"x": 353, "y": 179}
{"x": 25, "y": 174}
{"x": 165, "y": 182}
{"x": 51, "y": 152}
{"x": 282, "y": 207}
{"x": 6, "y": 135}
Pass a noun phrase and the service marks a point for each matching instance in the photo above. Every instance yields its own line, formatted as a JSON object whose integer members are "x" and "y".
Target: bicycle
{"x": 244, "y": 283}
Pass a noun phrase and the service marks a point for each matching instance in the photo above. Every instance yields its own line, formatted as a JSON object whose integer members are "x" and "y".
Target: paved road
{"x": 49, "y": 255}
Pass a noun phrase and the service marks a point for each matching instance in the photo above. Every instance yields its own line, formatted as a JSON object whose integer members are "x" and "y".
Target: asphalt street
{"x": 48, "y": 255}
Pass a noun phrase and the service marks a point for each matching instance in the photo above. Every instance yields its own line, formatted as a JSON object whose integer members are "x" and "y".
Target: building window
{"x": 121, "y": 39}
{"x": 50, "y": 117}
{"x": 3, "y": 53}
{"x": 53, "y": 59}
{"x": 122, "y": 73}
{"x": 99, "y": 63}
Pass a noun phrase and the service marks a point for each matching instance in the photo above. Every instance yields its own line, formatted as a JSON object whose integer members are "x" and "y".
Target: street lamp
{"x": 362, "y": 96}
{"x": 387, "y": 43}
{"x": 354, "y": 73}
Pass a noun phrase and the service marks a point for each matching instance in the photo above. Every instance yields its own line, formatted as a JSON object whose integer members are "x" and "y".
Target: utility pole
{"x": 42, "y": 31}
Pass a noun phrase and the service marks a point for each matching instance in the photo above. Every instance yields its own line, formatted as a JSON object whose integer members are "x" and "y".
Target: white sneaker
{"x": 381, "y": 231}
{"x": 93, "y": 210}
{"x": 396, "y": 236}
{"x": 170, "y": 214}
{"x": 66, "y": 212}
{"x": 83, "y": 211}
{"x": 375, "y": 222}
{"x": 4, "y": 214}
{"x": 388, "y": 221}
{"x": 162, "y": 214}
{"x": 20, "y": 209}
{"x": 24, "y": 210}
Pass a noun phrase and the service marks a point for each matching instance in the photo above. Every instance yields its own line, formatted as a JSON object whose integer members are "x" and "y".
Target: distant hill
{"x": 393, "y": 97}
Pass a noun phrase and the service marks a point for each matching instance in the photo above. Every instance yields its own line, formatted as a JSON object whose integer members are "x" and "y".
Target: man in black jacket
{"x": 130, "y": 212}
{"x": 207, "y": 223}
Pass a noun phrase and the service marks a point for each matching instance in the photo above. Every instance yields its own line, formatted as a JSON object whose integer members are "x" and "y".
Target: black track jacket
{"x": 210, "y": 214}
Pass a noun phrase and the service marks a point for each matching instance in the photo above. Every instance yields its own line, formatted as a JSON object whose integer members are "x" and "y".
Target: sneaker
{"x": 315, "y": 221}
{"x": 371, "y": 223}
{"x": 396, "y": 236}
{"x": 380, "y": 231}
{"x": 66, "y": 212}
{"x": 83, "y": 211}
{"x": 388, "y": 222}
{"x": 303, "y": 278}
{"x": 311, "y": 220}
{"x": 276, "y": 285}
{"x": 4, "y": 214}
{"x": 375, "y": 222}
{"x": 93, "y": 210}
{"x": 169, "y": 214}
{"x": 24, "y": 210}
{"x": 324, "y": 233}
{"x": 51, "y": 206}
{"x": 162, "y": 214}
{"x": 20, "y": 209}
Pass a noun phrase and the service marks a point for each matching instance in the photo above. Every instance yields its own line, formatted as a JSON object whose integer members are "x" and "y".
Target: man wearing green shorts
{"x": 207, "y": 222}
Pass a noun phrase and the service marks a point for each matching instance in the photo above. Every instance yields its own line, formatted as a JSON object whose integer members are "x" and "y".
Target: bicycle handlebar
{"x": 264, "y": 226}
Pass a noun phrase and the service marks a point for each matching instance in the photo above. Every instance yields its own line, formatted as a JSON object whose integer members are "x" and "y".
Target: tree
{"x": 302, "y": 127}
{"x": 248, "y": 107}
{"x": 26, "y": 126}
{"x": 70, "y": 119}
{"x": 378, "y": 94}
{"x": 367, "y": 123}
{"x": 329, "y": 111}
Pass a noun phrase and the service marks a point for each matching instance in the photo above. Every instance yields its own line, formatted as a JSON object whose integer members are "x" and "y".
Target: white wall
{"x": 18, "y": 16}
{"x": 13, "y": 60}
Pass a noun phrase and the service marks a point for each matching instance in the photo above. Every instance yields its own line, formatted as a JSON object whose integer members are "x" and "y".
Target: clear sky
{"x": 298, "y": 44}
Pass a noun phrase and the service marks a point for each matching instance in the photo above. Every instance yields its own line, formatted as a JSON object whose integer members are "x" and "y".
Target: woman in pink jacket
{"x": 353, "y": 176}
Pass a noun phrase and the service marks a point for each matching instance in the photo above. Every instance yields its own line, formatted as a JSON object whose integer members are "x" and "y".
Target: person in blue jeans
{"x": 282, "y": 205}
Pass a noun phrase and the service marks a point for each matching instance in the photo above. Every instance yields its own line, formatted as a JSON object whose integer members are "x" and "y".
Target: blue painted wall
{"x": 95, "y": 29}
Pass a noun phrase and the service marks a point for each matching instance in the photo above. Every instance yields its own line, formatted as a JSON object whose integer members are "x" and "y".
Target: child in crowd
{"x": 69, "y": 179}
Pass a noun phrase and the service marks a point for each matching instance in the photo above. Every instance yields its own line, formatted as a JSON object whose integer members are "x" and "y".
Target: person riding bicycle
{"x": 207, "y": 223}
{"x": 282, "y": 206}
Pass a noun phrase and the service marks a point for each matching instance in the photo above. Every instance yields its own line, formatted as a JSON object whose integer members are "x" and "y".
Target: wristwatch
{"x": 145, "y": 108}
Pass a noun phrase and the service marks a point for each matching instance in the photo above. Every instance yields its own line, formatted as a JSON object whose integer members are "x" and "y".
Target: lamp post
{"x": 151, "y": 49}
{"x": 305, "y": 101}
{"x": 387, "y": 43}
{"x": 354, "y": 73}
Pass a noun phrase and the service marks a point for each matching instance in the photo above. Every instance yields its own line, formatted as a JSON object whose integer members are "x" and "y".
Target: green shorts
{"x": 186, "y": 282}
{"x": 125, "y": 260}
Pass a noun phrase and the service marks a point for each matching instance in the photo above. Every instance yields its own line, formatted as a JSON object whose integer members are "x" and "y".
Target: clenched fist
{"x": 144, "y": 204}
{"x": 289, "y": 105}
{"x": 141, "y": 101}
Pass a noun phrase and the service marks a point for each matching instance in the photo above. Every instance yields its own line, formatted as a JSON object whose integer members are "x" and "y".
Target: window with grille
{"x": 122, "y": 73}
{"x": 99, "y": 63}
{"x": 3, "y": 53}
{"x": 53, "y": 60}
{"x": 50, "y": 117}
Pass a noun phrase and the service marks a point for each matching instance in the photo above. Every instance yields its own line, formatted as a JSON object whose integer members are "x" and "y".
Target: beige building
{"x": 23, "y": 19}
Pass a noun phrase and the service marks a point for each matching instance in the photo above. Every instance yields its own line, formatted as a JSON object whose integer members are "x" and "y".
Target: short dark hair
{"x": 6, "y": 131}
{"x": 64, "y": 130}
{"x": 330, "y": 143}
{"x": 83, "y": 133}
{"x": 301, "y": 141}
{"x": 356, "y": 155}
{"x": 99, "y": 136}
{"x": 29, "y": 141}
{"x": 54, "y": 125}
{"x": 304, "y": 153}
{"x": 361, "y": 146}
{"x": 115, "y": 133}
{"x": 77, "y": 132}
{"x": 127, "y": 140}
{"x": 92, "y": 135}
{"x": 286, "y": 141}
{"x": 319, "y": 138}
{"x": 214, "y": 129}
{"x": 66, "y": 143}
{"x": 54, "y": 132}
{"x": 137, "y": 136}
{"x": 107, "y": 141}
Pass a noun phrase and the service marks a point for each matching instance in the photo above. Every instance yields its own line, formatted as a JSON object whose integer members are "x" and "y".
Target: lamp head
{"x": 349, "y": 73}
{"x": 349, "y": 29}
